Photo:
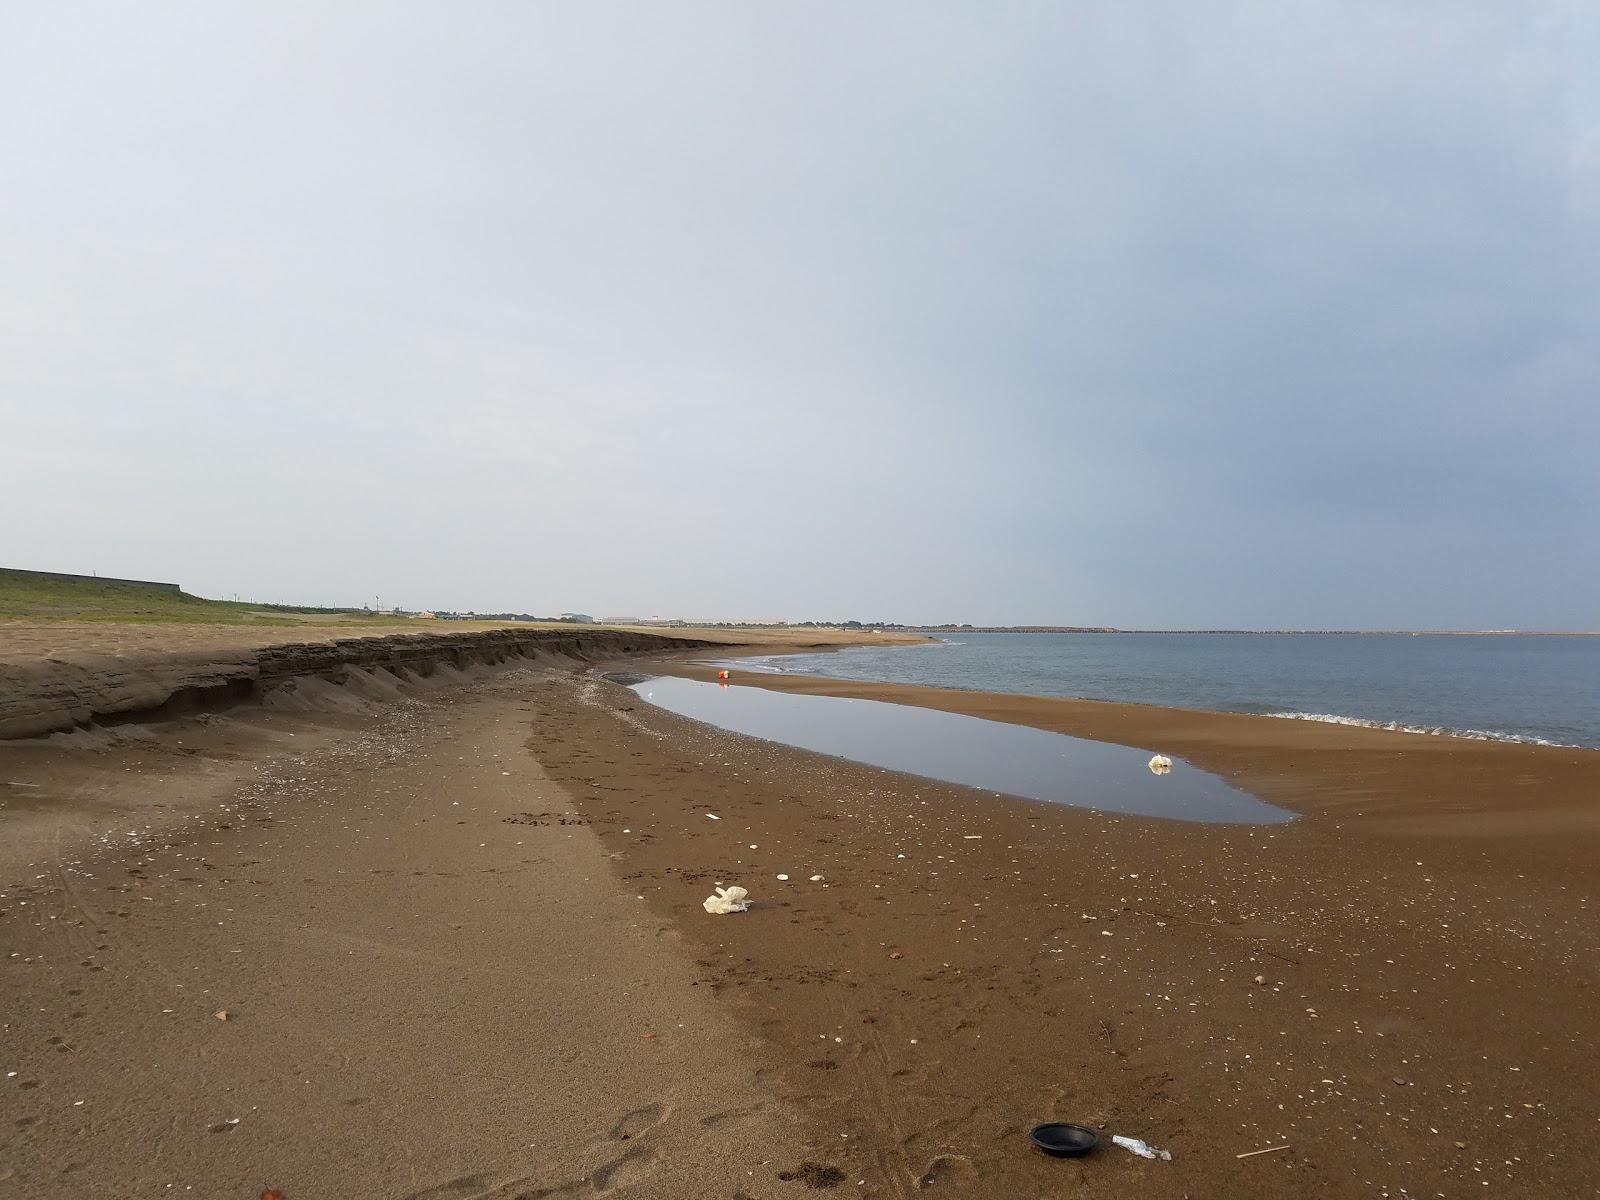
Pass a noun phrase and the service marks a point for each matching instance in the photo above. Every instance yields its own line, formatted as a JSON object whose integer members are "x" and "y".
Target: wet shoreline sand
{"x": 1425, "y": 935}
{"x": 1389, "y": 778}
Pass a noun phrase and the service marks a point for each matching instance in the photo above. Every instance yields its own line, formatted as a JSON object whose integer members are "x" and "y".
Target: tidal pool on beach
{"x": 998, "y": 757}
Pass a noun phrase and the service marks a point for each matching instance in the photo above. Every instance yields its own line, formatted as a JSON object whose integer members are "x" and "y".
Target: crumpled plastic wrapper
{"x": 727, "y": 900}
{"x": 1141, "y": 1147}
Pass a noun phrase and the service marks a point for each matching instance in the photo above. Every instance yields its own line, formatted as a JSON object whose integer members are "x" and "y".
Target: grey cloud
{"x": 1146, "y": 315}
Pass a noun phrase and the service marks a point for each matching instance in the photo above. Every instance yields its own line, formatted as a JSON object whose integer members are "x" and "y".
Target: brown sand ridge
{"x": 454, "y": 922}
{"x": 55, "y": 675}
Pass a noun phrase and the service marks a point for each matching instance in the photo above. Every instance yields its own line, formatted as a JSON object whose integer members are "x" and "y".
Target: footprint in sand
{"x": 948, "y": 1169}
{"x": 639, "y": 1121}
{"x": 631, "y": 1168}
{"x": 468, "y": 1186}
{"x": 717, "y": 1120}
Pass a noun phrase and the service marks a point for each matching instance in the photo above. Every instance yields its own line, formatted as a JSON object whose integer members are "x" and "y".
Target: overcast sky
{"x": 1271, "y": 314}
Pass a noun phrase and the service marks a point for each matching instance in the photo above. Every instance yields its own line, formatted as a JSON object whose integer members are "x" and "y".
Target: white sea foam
{"x": 782, "y": 667}
{"x": 1475, "y": 735}
{"x": 747, "y": 664}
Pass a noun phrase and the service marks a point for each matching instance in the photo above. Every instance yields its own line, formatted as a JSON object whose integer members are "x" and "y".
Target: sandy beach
{"x": 482, "y": 482}
{"x": 455, "y": 928}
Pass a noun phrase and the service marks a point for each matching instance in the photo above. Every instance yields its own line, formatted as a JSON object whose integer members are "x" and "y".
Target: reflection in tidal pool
{"x": 992, "y": 755}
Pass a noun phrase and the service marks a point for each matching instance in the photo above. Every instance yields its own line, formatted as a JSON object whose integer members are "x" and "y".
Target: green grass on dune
{"x": 24, "y": 595}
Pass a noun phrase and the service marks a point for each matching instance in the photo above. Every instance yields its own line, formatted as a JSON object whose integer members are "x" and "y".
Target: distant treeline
{"x": 1014, "y": 629}
{"x": 894, "y": 626}
{"x": 564, "y": 619}
{"x": 682, "y": 624}
{"x": 303, "y": 608}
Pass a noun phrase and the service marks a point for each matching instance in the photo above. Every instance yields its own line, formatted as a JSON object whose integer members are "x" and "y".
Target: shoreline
{"x": 1321, "y": 718}
{"x": 1404, "y": 773}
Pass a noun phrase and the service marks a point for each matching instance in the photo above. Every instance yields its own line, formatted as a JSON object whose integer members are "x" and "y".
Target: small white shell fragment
{"x": 712, "y": 817}
{"x": 785, "y": 877}
{"x": 816, "y": 879}
{"x": 1160, "y": 764}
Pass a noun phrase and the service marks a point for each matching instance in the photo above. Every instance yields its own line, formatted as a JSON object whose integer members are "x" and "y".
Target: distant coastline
{"x": 938, "y": 629}
{"x": 890, "y": 627}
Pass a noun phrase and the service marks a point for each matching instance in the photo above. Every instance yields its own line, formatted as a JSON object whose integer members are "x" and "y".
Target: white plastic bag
{"x": 727, "y": 900}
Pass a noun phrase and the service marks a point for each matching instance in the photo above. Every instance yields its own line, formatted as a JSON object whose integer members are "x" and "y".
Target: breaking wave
{"x": 1475, "y": 735}
{"x": 763, "y": 663}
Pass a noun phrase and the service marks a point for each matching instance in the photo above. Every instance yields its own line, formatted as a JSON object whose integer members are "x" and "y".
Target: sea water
{"x": 1543, "y": 689}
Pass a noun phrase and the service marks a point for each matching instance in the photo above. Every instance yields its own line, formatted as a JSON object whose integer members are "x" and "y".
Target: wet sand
{"x": 1397, "y": 986}
{"x": 1424, "y": 939}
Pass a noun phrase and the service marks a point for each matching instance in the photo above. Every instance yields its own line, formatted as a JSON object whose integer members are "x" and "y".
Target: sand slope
{"x": 436, "y": 986}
